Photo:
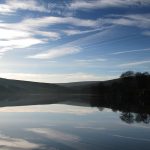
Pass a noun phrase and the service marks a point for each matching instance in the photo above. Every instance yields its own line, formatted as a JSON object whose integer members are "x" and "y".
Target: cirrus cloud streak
{"x": 85, "y": 4}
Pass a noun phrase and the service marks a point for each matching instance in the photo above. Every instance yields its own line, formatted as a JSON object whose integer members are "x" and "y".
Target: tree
{"x": 146, "y": 73}
{"x": 138, "y": 74}
{"x": 127, "y": 74}
{"x": 127, "y": 117}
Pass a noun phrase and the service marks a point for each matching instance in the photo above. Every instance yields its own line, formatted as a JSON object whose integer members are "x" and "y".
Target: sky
{"x": 73, "y": 40}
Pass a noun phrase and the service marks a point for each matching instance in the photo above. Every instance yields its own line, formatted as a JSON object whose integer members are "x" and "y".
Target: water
{"x": 68, "y": 127}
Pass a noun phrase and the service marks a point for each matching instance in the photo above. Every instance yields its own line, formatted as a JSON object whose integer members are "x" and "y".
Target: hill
{"x": 17, "y": 86}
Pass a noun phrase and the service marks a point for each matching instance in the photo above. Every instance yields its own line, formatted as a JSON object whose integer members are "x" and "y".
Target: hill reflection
{"x": 131, "y": 111}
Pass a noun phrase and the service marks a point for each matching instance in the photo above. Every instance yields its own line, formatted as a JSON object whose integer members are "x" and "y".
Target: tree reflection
{"x": 129, "y": 117}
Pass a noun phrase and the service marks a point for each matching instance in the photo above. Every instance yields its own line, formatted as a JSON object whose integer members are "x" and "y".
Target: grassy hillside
{"x": 16, "y": 86}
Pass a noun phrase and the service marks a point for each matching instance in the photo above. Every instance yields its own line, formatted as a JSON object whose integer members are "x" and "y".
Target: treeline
{"x": 130, "y": 92}
{"x": 128, "y": 74}
{"x": 128, "y": 81}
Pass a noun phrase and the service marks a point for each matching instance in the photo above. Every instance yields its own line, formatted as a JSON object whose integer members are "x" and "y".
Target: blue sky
{"x": 73, "y": 40}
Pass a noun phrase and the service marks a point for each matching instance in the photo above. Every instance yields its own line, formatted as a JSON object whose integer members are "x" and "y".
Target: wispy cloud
{"x": 60, "y": 8}
{"x": 134, "y": 63}
{"x": 70, "y": 140}
{"x": 135, "y": 20}
{"x": 23, "y": 29}
{"x": 55, "y": 53}
{"x": 71, "y": 48}
{"x": 18, "y": 43}
{"x": 5, "y": 9}
{"x": 49, "y": 34}
{"x": 55, "y": 135}
{"x": 131, "y": 51}
{"x": 35, "y": 23}
{"x": 51, "y": 20}
{"x": 132, "y": 138}
{"x": 8, "y": 34}
{"x": 10, "y": 143}
{"x": 11, "y": 6}
{"x": 85, "y": 4}
{"x": 13, "y": 38}
{"x": 25, "y": 33}
{"x": 91, "y": 128}
{"x": 90, "y": 61}
{"x": 76, "y": 32}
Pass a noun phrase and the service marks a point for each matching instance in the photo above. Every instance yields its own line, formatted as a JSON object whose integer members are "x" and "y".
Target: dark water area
{"x": 73, "y": 122}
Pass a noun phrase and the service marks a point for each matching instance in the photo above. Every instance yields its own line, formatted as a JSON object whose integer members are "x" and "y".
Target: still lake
{"x": 68, "y": 127}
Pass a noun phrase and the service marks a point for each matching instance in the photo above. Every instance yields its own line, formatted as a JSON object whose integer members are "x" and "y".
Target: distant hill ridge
{"x": 8, "y": 85}
{"x": 128, "y": 81}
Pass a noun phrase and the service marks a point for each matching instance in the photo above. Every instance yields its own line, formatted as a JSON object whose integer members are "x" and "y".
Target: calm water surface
{"x": 66, "y": 127}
